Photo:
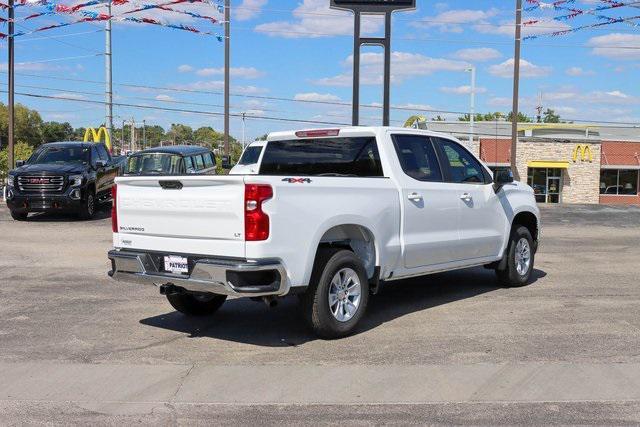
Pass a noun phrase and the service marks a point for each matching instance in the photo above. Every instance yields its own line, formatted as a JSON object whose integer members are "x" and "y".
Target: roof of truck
{"x": 348, "y": 131}
{"x": 182, "y": 150}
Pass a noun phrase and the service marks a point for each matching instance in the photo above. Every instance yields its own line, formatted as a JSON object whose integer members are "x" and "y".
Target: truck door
{"x": 482, "y": 218}
{"x": 430, "y": 206}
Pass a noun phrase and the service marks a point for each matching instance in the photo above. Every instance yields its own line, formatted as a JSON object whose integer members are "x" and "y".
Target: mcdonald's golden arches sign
{"x": 583, "y": 153}
{"x": 91, "y": 135}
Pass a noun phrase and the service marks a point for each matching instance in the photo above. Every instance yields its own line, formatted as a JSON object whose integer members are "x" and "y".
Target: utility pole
{"x": 122, "y": 139}
{"x": 227, "y": 46}
{"x": 133, "y": 134}
{"x": 539, "y": 108}
{"x": 243, "y": 126}
{"x": 472, "y": 107}
{"x": 11, "y": 89}
{"x": 516, "y": 87}
{"x": 108, "y": 74}
{"x": 144, "y": 134}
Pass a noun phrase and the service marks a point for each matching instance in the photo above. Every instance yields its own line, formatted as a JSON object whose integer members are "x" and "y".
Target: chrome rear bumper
{"x": 218, "y": 276}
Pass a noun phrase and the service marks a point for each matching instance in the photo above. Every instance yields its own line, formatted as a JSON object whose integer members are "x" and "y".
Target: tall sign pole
{"x": 516, "y": 88}
{"x": 227, "y": 46}
{"x": 11, "y": 89}
{"x": 372, "y": 7}
{"x": 108, "y": 76}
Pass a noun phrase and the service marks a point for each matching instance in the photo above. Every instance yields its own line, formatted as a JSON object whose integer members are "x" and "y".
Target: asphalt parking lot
{"x": 76, "y": 347}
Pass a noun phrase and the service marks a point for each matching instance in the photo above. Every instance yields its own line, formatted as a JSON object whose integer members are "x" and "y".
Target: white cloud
{"x": 218, "y": 85}
{"x": 578, "y": 71}
{"x": 616, "y": 46}
{"x": 314, "y": 18}
{"x": 477, "y": 54}
{"x": 527, "y": 69}
{"x": 185, "y": 68}
{"x": 238, "y": 72}
{"x": 450, "y": 21}
{"x": 248, "y": 9}
{"x": 67, "y": 95}
{"x": 404, "y": 65}
{"x": 165, "y": 98}
{"x": 313, "y": 96}
{"x": 462, "y": 90}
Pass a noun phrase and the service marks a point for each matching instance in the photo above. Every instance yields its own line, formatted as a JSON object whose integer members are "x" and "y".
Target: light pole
{"x": 243, "y": 124}
{"x": 472, "y": 107}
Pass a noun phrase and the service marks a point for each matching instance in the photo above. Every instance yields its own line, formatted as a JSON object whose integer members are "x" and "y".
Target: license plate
{"x": 176, "y": 264}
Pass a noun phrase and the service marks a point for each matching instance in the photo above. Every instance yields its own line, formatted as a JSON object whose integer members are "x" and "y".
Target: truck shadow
{"x": 249, "y": 322}
{"x": 102, "y": 212}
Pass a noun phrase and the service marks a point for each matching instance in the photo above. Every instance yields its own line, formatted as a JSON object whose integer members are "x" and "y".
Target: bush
{"x": 22, "y": 152}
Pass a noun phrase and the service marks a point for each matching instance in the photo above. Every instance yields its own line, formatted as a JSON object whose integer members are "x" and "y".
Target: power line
{"x": 179, "y": 110}
{"x": 58, "y": 36}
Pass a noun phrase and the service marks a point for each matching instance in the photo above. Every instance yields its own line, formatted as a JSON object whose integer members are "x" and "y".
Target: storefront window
{"x": 619, "y": 181}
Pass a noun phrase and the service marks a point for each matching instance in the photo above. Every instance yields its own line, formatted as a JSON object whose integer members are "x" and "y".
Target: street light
{"x": 472, "y": 110}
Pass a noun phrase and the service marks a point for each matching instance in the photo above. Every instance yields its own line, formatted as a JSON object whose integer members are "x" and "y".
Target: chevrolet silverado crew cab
{"x": 62, "y": 176}
{"x": 331, "y": 216}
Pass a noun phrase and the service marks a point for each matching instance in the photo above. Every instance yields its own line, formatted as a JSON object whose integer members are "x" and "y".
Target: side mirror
{"x": 19, "y": 163}
{"x": 226, "y": 162}
{"x": 101, "y": 163}
{"x": 502, "y": 177}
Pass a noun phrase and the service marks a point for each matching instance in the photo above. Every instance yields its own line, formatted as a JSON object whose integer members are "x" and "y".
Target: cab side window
{"x": 462, "y": 167}
{"x": 103, "y": 153}
{"x": 417, "y": 157}
{"x": 94, "y": 156}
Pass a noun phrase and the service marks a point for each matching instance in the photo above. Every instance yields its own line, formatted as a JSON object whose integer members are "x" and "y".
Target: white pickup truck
{"x": 331, "y": 216}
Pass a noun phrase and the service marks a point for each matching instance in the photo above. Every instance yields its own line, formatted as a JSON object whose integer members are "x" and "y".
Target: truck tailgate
{"x": 187, "y": 214}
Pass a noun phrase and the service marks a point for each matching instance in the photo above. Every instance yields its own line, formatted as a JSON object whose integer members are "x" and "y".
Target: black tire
{"x": 19, "y": 216}
{"x": 315, "y": 301}
{"x": 88, "y": 208}
{"x": 196, "y": 305}
{"x": 510, "y": 276}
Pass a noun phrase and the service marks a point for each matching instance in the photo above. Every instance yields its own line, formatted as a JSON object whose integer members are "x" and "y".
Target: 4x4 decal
{"x": 297, "y": 180}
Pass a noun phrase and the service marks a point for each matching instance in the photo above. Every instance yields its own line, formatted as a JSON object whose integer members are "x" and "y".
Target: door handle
{"x": 466, "y": 197}
{"x": 414, "y": 196}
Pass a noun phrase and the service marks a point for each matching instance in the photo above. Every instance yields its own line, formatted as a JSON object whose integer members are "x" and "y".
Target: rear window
{"x": 323, "y": 157}
{"x": 154, "y": 164}
{"x": 199, "y": 162}
{"x": 250, "y": 156}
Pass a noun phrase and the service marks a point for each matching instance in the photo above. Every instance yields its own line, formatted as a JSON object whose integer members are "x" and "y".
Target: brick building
{"x": 563, "y": 163}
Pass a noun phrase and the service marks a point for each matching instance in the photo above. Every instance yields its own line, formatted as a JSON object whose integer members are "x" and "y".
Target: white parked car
{"x": 332, "y": 215}
{"x": 249, "y": 160}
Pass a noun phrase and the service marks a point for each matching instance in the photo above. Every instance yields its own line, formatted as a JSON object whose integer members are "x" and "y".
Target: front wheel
{"x": 520, "y": 257}
{"x": 19, "y": 216}
{"x": 196, "y": 305}
{"x": 88, "y": 208}
{"x": 338, "y": 293}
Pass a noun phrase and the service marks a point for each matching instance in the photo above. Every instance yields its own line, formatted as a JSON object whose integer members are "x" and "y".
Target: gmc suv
{"x": 62, "y": 176}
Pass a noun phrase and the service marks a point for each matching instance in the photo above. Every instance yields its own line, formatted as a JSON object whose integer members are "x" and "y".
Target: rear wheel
{"x": 19, "y": 216}
{"x": 520, "y": 258}
{"x": 196, "y": 305}
{"x": 88, "y": 208}
{"x": 338, "y": 293}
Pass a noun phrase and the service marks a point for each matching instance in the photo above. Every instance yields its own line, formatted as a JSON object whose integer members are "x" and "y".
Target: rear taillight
{"x": 256, "y": 222}
{"x": 114, "y": 208}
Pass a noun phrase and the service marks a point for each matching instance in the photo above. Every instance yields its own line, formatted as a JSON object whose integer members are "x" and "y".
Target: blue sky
{"x": 302, "y": 50}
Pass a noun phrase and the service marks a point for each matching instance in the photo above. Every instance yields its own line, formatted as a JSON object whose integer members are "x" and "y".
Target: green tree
{"x": 550, "y": 116}
{"x": 54, "y": 131}
{"x": 262, "y": 137}
{"x": 22, "y": 151}
{"x": 521, "y": 118}
{"x": 208, "y": 135}
{"x": 180, "y": 134}
{"x": 28, "y": 125}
